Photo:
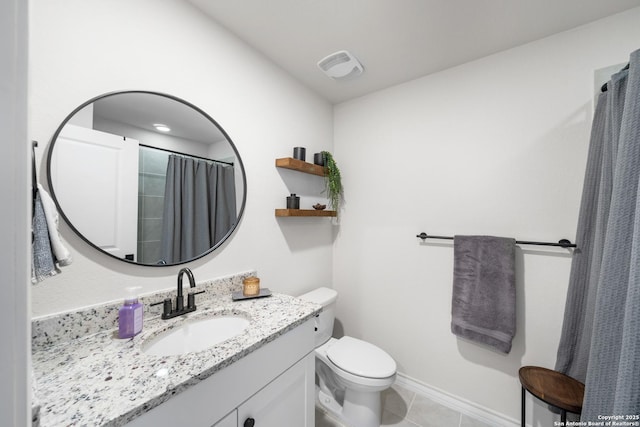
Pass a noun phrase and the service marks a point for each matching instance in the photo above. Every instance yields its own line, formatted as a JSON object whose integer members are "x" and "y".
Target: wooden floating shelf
{"x": 304, "y": 212}
{"x": 300, "y": 166}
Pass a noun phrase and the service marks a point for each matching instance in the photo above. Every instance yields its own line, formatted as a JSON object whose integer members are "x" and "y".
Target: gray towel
{"x": 43, "y": 263}
{"x": 483, "y": 306}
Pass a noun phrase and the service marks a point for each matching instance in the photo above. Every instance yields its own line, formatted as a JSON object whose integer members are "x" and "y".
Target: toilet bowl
{"x": 351, "y": 373}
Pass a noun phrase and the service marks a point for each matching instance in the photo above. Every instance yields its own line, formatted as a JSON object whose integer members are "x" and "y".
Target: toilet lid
{"x": 361, "y": 358}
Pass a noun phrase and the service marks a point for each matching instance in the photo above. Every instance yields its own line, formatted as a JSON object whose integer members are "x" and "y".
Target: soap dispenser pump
{"x": 130, "y": 315}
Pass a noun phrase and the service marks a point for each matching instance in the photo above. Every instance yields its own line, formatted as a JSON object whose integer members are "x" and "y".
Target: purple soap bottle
{"x": 130, "y": 315}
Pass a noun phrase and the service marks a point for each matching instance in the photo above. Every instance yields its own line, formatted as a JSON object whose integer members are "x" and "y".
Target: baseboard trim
{"x": 459, "y": 404}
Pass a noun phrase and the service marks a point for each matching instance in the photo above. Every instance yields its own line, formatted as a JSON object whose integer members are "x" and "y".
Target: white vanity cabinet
{"x": 230, "y": 420}
{"x": 273, "y": 385}
{"x": 286, "y": 401}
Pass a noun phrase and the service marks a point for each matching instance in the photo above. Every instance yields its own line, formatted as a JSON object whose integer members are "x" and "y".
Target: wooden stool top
{"x": 553, "y": 387}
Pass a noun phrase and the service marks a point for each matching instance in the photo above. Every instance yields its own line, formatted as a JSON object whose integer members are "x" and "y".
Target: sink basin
{"x": 196, "y": 335}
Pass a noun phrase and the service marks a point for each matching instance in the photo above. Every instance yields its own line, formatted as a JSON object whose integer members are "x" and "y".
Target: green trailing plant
{"x": 333, "y": 181}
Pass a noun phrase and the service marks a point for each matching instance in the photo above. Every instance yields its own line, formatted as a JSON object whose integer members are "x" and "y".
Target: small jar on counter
{"x": 251, "y": 286}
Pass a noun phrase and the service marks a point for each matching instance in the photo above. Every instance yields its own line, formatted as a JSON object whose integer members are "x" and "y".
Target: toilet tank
{"x": 326, "y": 297}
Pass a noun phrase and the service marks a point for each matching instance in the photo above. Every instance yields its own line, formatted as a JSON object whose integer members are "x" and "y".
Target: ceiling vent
{"x": 341, "y": 65}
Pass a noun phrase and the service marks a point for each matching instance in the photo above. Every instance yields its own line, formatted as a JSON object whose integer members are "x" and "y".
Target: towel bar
{"x": 563, "y": 243}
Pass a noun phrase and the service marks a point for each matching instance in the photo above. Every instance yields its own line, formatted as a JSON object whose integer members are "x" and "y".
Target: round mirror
{"x": 146, "y": 177}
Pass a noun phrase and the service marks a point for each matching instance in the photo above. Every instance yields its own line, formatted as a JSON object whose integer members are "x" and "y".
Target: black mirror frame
{"x": 208, "y": 117}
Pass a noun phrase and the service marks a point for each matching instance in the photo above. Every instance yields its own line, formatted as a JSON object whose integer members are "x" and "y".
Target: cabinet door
{"x": 230, "y": 420}
{"x": 286, "y": 401}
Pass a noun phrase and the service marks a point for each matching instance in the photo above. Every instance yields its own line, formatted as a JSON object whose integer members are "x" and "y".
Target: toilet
{"x": 351, "y": 373}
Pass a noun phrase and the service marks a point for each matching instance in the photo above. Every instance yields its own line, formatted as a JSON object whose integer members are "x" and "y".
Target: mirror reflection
{"x": 146, "y": 177}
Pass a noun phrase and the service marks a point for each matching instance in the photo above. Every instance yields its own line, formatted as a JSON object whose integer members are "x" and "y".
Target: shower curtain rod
{"x": 604, "y": 86}
{"x": 185, "y": 154}
{"x": 563, "y": 243}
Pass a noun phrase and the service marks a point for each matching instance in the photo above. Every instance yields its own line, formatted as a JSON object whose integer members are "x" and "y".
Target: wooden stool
{"x": 553, "y": 388}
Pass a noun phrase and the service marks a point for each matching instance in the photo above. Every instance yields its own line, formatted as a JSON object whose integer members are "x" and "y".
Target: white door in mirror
{"x": 104, "y": 210}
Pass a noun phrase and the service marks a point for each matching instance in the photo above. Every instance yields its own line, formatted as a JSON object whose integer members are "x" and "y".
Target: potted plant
{"x": 333, "y": 181}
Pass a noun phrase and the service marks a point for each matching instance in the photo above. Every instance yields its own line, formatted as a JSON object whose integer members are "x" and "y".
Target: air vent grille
{"x": 341, "y": 65}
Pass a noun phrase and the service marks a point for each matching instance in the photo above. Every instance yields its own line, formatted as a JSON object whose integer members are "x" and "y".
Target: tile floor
{"x": 404, "y": 408}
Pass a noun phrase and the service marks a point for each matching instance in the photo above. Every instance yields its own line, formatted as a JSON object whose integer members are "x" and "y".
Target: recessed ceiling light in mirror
{"x": 161, "y": 127}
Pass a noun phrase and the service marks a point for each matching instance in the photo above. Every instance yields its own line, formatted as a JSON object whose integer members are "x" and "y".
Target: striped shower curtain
{"x": 600, "y": 342}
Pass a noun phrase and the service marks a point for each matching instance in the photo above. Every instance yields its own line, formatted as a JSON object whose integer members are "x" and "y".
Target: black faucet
{"x": 192, "y": 284}
{"x": 168, "y": 312}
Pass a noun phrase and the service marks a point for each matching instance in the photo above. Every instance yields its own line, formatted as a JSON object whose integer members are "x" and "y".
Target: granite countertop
{"x": 98, "y": 379}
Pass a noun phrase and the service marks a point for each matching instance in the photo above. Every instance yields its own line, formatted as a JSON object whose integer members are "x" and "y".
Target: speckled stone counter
{"x": 98, "y": 379}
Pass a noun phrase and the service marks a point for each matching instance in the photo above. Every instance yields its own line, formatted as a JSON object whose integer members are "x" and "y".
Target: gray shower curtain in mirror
{"x": 600, "y": 342}
{"x": 199, "y": 207}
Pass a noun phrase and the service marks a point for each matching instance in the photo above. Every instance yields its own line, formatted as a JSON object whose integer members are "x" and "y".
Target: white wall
{"x": 496, "y": 146}
{"x": 81, "y": 49}
{"x": 15, "y": 330}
